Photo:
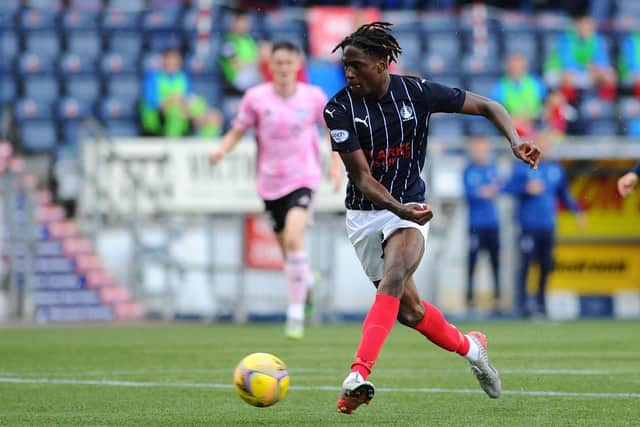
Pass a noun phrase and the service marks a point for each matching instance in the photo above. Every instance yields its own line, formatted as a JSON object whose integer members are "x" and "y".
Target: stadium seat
{"x": 9, "y": 7}
{"x": 328, "y": 75}
{"x": 44, "y": 4}
{"x": 525, "y": 43}
{"x": 202, "y": 65}
{"x": 278, "y": 19}
{"x": 124, "y": 86}
{"x": 8, "y": 89}
{"x": 115, "y": 109}
{"x": 116, "y": 63}
{"x": 32, "y": 109}
{"x": 598, "y": 116}
{"x": 70, "y": 108}
{"x": 83, "y": 87}
{"x": 41, "y": 87}
{"x": 473, "y": 65}
{"x": 120, "y": 20}
{"x": 33, "y": 63}
{"x": 126, "y": 43}
{"x": 126, "y": 5}
{"x": 78, "y": 20}
{"x": 8, "y": 49}
{"x": 159, "y": 27}
{"x": 151, "y": 61}
{"x": 38, "y": 136}
{"x": 411, "y": 43}
{"x": 446, "y": 125}
{"x": 477, "y": 125}
{"x": 86, "y": 5}
{"x": 490, "y": 52}
{"x": 440, "y": 22}
{"x": 86, "y": 43}
{"x": 45, "y": 42}
{"x": 190, "y": 17}
{"x": 482, "y": 84}
{"x": 121, "y": 31}
{"x": 445, "y": 44}
{"x": 122, "y": 128}
{"x": 208, "y": 88}
{"x": 37, "y": 19}
{"x": 256, "y": 27}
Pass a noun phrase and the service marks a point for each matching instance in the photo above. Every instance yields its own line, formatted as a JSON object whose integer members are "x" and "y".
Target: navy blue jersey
{"x": 392, "y": 133}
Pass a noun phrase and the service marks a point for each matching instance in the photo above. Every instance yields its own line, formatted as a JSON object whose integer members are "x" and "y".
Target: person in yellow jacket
{"x": 169, "y": 107}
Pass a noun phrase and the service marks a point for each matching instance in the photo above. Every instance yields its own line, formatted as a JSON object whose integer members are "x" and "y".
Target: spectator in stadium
{"x": 629, "y": 62}
{"x": 580, "y": 62}
{"x": 284, "y": 114}
{"x": 521, "y": 93}
{"x": 482, "y": 186}
{"x": 169, "y": 107}
{"x": 627, "y": 182}
{"x": 240, "y": 56}
{"x": 537, "y": 193}
{"x": 378, "y": 125}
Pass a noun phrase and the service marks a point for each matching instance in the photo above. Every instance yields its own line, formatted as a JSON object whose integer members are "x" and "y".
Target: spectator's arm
{"x": 564, "y": 195}
{"x": 517, "y": 182}
{"x": 601, "y": 56}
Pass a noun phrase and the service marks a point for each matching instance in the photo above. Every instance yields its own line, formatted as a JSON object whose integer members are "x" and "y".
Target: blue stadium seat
{"x": 70, "y": 108}
{"x": 37, "y": 19}
{"x": 478, "y": 125}
{"x": 8, "y": 49}
{"x": 256, "y": 27}
{"x": 451, "y": 80}
{"x": 472, "y": 65}
{"x": 151, "y": 61}
{"x": 189, "y": 19}
{"x": 32, "y": 109}
{"x": 523, "y": 42}
{"x": 202, "y": 65}
{"x": 328, "y": 75}
{"x": 440, "y": 22}
{"x": 41, "y": 87}
{"x": 601, "y": 127}
{"x": 74, "y": 63}
{"x": 436, "y": 64}
{"x": 411, "y": 42}
{"x": 208, "y": 88}
{"x": 160, "y": 27}
{"x": 8, "y": 89}
{"x": 127, "y": 5}
{"x": 123, "y": 86}
{"x": 84, "y": 87}
{"x": 45, "y": 4}
{"x": 122, "y": 128}
{"x": 87, "y": 43}
{"x": 446, "y": 125}
{"x": 443, "y": 43}
{"x": 45, "y": 42}
{"x": 86, "y": 5}
{"x": 116, "y": 63}
{"x": 482, "y": 84}
{"x": 37, "y": 129}
{"x": 119, "y": 20}
{"x": 629, "y": 108}
{"x": 112, "y": 108}
{"x": 78, "y": 20}
{"x": 627, "y": 8}
{"x": 38, "y": 136}
{"x": 278, "y": 19}
{"x": 127, "y": 43}
{"x": 598, "y": 116}
{"x": 491, "y": 51}
{"x": 9, "y": 7}
{"x": 34, "y": 63}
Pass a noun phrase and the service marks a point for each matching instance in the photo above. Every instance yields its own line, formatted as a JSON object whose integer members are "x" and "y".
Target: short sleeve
{"x": 441, "y": 98}
{"x": 340, "y": 124}
{"x": 247, "y": 116}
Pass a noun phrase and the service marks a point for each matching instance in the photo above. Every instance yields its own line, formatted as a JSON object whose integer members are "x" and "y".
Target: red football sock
{"x": 377, "y": 325}
{"x": 440, "y": 332}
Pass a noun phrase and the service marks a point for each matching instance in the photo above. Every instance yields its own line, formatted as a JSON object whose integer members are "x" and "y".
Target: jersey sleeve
{"x": 247, "y": 116}
{"x": 441, "y": 98}
{"x": 341, "y": 130}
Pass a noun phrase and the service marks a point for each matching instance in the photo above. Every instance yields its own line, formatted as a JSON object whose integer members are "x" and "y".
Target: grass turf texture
{"x": 181, "y": 375}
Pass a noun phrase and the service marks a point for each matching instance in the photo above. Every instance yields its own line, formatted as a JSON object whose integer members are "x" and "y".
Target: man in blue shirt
{"x": 481, "y": 187}
{"x": 537, "y": 193}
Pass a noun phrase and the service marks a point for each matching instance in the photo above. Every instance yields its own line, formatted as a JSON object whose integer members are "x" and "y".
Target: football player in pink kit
{"x": 285, "y": 114}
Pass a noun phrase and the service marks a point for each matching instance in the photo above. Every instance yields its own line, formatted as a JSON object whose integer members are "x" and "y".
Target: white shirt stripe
{"x": 395, "y": 103}
{"x": 415, "y": 118}
{"x": 355, "y": 129}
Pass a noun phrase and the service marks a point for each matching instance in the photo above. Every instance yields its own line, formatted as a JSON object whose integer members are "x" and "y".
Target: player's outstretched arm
{"x": 360, "y": 175}
{"x": 229, "y": 140}
{"x": 475, "y": 104}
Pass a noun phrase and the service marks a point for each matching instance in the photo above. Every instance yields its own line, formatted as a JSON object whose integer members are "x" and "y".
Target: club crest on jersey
{"x": 406, "y": 112}
{"x": 339, "y": 135}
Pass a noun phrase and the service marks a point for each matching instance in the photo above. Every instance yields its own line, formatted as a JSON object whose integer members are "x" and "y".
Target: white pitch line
{"x": 381, "y": 372}
{"x": 111, "y": 383}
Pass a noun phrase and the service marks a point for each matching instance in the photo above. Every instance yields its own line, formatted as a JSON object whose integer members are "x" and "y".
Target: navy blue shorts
{"x": 278, "y": 208}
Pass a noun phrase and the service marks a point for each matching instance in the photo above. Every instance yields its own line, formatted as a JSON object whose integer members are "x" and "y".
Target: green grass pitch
{"x": 554, "y": 374}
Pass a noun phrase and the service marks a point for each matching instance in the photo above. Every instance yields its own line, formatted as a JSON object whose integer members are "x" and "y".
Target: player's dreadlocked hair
{"x": 375, "y": 39}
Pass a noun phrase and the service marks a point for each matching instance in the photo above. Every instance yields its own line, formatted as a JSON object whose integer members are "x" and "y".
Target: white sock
{"x": 474, "y": 350}
{"x": 295, "y": 312}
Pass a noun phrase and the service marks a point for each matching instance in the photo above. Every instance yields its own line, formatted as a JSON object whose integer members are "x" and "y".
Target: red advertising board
{"x": 261, "y": 249}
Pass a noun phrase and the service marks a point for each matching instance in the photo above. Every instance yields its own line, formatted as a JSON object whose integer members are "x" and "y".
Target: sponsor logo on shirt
{"x": 339, "y": 135}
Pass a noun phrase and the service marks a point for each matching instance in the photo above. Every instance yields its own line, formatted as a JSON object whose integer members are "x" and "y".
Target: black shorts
{"x": 279, "y": 208}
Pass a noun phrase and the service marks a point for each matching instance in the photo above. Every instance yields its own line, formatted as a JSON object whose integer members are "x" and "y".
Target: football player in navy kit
{"x": 378, "y": 124}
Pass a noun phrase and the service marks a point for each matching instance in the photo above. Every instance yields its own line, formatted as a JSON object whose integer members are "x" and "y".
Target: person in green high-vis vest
{"x": 240, "y": 56}
{"x": 521, "y": 93}
{"x": 629, "y": 62}
{"x": 579, "y": 62}
{"x": 169, "y": 107}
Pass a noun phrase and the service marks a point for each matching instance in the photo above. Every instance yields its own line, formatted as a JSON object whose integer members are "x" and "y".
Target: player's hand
{"x": 416, "y": 212}
{"x": 216, "y": 155}
{"x": 528, "y": 152}
{"x": 627, "y": 183}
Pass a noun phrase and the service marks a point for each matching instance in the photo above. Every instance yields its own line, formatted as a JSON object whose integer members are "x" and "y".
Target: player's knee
{"x": 292, "y": 242}
{"x": 411, "y": 315}
{"x": 393, "y": 282}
